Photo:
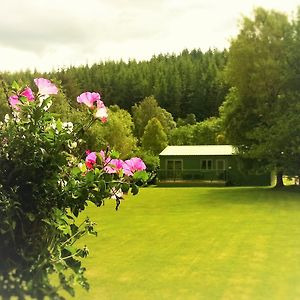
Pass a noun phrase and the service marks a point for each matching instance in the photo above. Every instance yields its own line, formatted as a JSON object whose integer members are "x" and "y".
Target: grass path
{"x": 196, "y": 243}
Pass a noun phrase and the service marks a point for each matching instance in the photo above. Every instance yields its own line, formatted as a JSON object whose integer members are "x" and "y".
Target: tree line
{"x": 190, "y": 82}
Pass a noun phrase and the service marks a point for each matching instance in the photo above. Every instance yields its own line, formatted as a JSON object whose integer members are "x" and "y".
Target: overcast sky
{"x": 47, "y": 34}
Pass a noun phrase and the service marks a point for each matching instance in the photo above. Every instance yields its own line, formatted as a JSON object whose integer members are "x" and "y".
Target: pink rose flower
{"x": 132, "y": 165}
{"x": 28, "y": 94}
{"x": 14, "y": 99}
{"x": 14, "y": 102}
{"x": 91, "y": 159}
{"x": 45, "y": 86}
{"x": 114, "y": 166}
{"x": 101, "y": 112}
{"x": 88, "y": 99}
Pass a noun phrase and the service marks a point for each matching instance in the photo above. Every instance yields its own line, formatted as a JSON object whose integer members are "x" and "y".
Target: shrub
{"x": 45, "y": 183}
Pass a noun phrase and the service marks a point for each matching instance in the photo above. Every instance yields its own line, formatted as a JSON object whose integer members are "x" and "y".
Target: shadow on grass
{"x": 287, "y": 188}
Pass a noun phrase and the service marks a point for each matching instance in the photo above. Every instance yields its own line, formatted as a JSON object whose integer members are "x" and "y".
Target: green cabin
{"x": 207, "y": 164}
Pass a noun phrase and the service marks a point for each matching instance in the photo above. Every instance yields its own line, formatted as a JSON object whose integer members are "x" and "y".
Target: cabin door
{"x": 174, "y": 169}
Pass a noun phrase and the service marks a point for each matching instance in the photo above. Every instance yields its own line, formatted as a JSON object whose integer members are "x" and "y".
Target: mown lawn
{"x": 196, "y": 243}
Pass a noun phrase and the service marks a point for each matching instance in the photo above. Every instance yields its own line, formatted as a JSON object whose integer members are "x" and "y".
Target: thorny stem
{"x": 66, "y": 257}
{"x": 71, "y": 237}
{"x": 92, "y": 121}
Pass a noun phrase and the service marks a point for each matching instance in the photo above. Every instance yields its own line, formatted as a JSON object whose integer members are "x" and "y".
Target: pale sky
{"x": 52, "y": 34}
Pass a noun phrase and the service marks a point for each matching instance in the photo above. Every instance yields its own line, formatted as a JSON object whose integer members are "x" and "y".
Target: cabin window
{"x": 174, "y": 165}
{"x": 206, "y": 164}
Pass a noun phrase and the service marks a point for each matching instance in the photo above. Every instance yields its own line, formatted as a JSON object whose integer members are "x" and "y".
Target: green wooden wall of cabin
{"x": 193, "y": 162}
{"x": 234, "y": 172}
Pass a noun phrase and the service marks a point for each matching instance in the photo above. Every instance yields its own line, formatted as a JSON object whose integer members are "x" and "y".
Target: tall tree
{"x": 154, "y": 138}
{"x": 146, "y": 110}
{"x": 259, "y": 70}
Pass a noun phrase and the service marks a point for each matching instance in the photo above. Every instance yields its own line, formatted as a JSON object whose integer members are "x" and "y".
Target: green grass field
{"x": 196, "y": 243}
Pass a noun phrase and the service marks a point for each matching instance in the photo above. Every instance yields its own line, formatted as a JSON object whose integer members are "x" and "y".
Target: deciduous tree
{"x": 261, "y": 101}
{"x": 154, "y": 137}
{"x": 148, "y": 109}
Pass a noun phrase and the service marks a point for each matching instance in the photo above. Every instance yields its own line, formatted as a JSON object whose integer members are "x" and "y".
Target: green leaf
{"x": 73, "y": 264}
{"x": 114, "y": 154}
{"x": 15, "y": 86}
{"x": 89, "y": 177}
{"x": 47, "y": 221}
{"x": 134, "y": 189}
{"x": 102, "y": 185}
{"x": 125, "y": 187}
{"x": 23, "y": 99}
{"x": 74, "y": 228}
{"x": 69, "y": 289}
{"x": 141, "y": 175}
{"x": 71, "y": 249}
{"x": 83, "y": 252}
{"x": 82, "y": 168}
{"x": 75, "y": 212}
{"x": 65, "y": 229}
{"x": 60, "y": 266}
{"x": 75, "y": 171}
{"x": 59, "y": 125}
{"x": 97, "y": 171}
{"x": 57, "y": 213}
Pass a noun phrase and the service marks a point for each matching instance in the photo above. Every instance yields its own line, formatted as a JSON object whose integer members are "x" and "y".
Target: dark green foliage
{"x": 183, "y": 135}
{"x": 208, "y": 132}
{"x": 188, "y": 83}
{"x": 189, "y": 119}
{"x": 261, "y": 112}
{"x": 148, "y": 109}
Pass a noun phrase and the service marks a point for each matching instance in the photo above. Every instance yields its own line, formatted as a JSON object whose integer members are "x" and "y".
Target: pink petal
{"x": 45, "y": 86}
{"x": 28, "y": 94}
{"x": 91, "y": 158}
{"x": 88, "y": 98}
{"x": 100, "y": 104}
{"x": 102, "y": 114}
{"x": 138, "y": 164}
{"x": 14, "y": 101}
{"x": 114, "y": 166}
{"x": 102, "y": 154}
{"x": 128, "y": 167}
{"x": 132, "y": 165}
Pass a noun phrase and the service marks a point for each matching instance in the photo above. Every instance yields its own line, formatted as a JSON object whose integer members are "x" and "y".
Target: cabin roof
{"x": 198, "y": 150}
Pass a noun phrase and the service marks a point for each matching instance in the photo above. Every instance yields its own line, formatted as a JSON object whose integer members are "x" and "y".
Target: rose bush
{"x": 46, "y": 180}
